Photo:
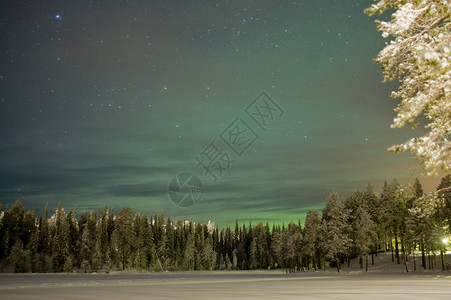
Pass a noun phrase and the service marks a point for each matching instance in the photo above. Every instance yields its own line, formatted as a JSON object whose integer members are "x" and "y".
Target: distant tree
{"x": 85, "y": 250}
{"x": 97, "y": 257}
{"x": 420, "y": 227}
{"x": 227, "y": 262}
{"x": 147, "y": 240}
{"x": 253, "y": 254}
{"x": 189, "y": 254}
{"x": 105, "y": 227}
{"x": 444, "y": 195}
{"x": 311, "y": 246}
{"x": 139, "y": 249}
{"x": 170, "y": 255}
{"x": 199, "y": 236}
{"x": 419, "y": 57}
{"x": 88, "y": 232}
{"x": 429, "y": 220}
{"x": 12, "y": 227}
{"x": 61, "y": 257}
{"x": 334, "y": 230}
{"x": 236, "y": 234}
{"x": 44, "y": 248}
{"x": 159, "y": 232}
{"x": 417, "y": 189}
{"x": 259, "y": 246}
{"x": 74, "y": 239}
{"x": 437, "y": 204}
{"x": 124, "y": 236}
{"x": 276, "y": 248}
{"x": 364, "y": 234}
{"x": 227, "y": 238}
{"x": 234, "y": 259}
{"x": 28, "y": 227}
{"x": 372, "y": 204}
{"x": 242, "y": 246}
{"x": 33, "y": 248}
{"x": 417, "y": 192}
{"x": 18, "y": 256}
{"x": 352, "y": 204}
{"x": 292, "y": 246}
{"x": 209, "y": 256}
{"x": 394, "y": 212}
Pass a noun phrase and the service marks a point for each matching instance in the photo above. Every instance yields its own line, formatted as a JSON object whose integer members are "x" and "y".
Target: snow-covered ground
{"x": 380, "y": 283}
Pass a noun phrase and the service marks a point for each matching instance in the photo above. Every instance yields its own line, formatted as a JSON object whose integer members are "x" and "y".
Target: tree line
{"x": 399, "y": 220}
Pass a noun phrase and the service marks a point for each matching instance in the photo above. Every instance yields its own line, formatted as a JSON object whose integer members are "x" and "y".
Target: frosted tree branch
{"x": 419, "y": 56}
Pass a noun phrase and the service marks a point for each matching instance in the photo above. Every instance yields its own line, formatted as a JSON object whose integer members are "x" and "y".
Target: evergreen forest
{"x": 397, "y": 220}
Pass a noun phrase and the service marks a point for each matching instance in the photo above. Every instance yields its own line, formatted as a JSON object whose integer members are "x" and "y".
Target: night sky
{"x": 271, "y": 105}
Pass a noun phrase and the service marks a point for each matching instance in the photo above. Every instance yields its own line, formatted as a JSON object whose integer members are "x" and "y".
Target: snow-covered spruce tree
{"x": 311, "y": 247}
{"x": 364, "y": 234}
{"x": 445, "y": 187}
{"x": 124, "y": 236}
{"x": 419, "y": 56}
{"x": 335, "y": 241}
{"x": 62, "y": 260}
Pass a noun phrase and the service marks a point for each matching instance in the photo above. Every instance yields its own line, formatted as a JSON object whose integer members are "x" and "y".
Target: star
{"x": 58, "y": 16}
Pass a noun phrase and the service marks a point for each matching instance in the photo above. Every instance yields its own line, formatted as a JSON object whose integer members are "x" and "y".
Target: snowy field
{"x": 384, "y": 280}
{"x": 226, "y": 285}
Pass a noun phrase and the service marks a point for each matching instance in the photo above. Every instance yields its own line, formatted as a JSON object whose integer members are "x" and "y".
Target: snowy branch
{"x": 420, "y": 58}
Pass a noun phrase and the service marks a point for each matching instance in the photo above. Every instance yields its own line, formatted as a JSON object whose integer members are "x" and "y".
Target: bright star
{"x": 58, "y": 16}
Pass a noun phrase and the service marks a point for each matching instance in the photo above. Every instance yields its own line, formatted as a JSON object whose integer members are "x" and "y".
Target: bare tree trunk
{"x": 414, "y": 261}
{"x": 396, "y": 246}
{"x": 405, "y": 264}
{"x": 423, "y": 255}
{"x": 392, "y": 254}
{"x": 433, "y": 260}
{"x": 366, "y": 263}
{"x": 405, "y": 253}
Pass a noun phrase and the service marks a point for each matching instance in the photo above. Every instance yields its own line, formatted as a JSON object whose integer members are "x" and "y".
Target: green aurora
{"x": 105, "y": 102}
